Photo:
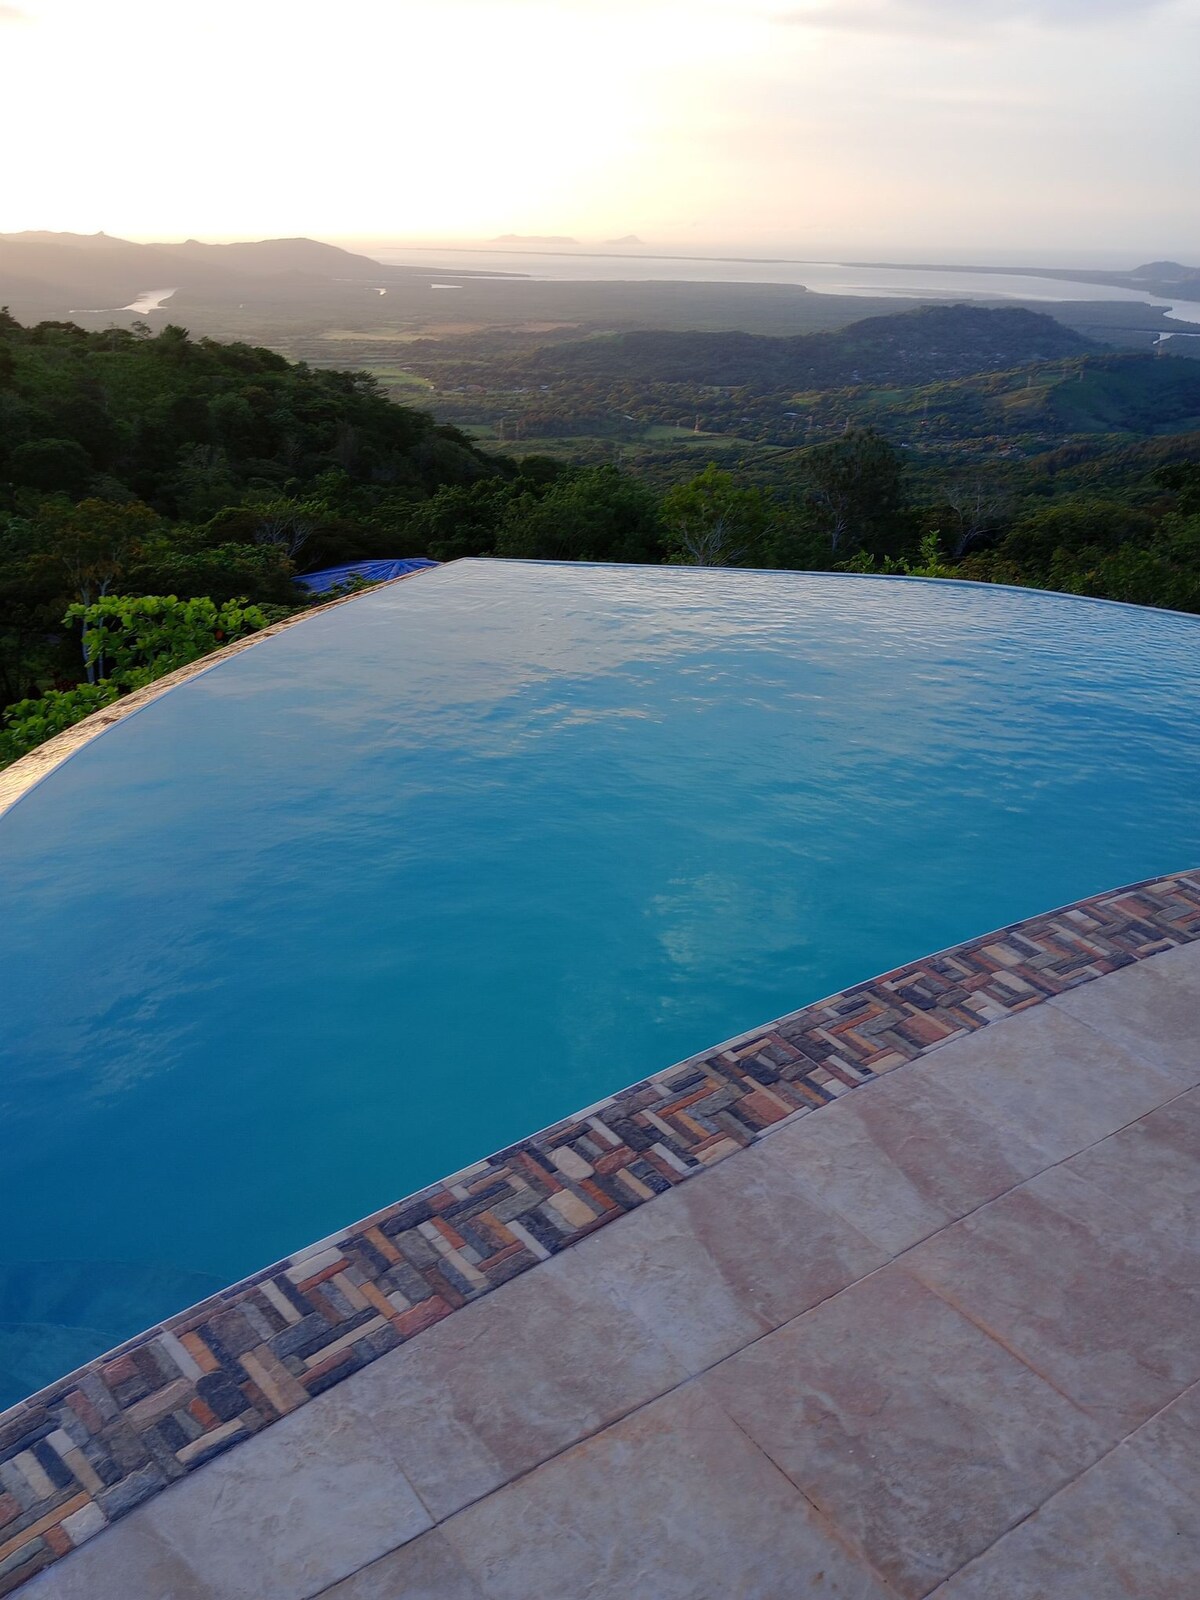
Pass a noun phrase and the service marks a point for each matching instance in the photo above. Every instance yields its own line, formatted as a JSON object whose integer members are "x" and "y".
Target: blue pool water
{"x": 437, "y": 867}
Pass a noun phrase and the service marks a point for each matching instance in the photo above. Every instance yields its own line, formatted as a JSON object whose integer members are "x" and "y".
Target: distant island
{"x": 1167, "y": 272}
{"x": 629, "y": 238}
{"x": 533, "y": 238}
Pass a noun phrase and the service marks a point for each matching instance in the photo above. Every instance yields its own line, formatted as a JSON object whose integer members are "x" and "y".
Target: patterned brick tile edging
{"x": 94, "y": 1445}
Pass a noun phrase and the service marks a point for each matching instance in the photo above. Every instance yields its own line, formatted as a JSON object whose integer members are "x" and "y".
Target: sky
{"x": 886, "y": 129}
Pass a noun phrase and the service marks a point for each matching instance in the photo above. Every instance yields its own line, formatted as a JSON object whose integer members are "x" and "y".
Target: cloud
{"x": 951, "y": 17}
{"x": 11, "y": 14}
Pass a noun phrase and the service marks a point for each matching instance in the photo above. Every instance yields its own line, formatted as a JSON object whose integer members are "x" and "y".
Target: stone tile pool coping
{"x": 89, "y": 1448}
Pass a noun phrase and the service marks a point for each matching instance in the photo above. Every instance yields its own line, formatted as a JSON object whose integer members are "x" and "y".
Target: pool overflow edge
{"x": 25, "y": 774}
{"x": 22, "y": 776}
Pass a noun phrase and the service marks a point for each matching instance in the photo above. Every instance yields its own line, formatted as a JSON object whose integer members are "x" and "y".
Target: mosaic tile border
{"x": 83, "y": 1452}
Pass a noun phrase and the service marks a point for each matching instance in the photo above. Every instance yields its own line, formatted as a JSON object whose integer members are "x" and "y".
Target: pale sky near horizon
{"x": 917, "y": 128}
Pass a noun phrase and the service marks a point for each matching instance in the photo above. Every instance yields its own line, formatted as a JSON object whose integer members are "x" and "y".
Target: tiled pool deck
{"x": 939, "y": 1339}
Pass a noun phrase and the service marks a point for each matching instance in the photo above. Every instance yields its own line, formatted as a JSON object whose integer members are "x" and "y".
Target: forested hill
{"x": 207, "y": 475}
{"x": 188, "y": 426}
{"x": 1113, "y": 393}
{"x": 55, "y": 271}
{"x": 911, "y": 347}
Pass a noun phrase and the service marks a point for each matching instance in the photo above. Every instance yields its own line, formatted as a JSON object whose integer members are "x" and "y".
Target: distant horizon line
{"x": 650, "y": 253}
{"x": 927, "y": 258}
{"x": 958, "y": 255}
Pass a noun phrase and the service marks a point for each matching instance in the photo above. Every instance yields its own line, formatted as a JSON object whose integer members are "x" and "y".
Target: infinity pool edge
{"x": 24, "y": 774}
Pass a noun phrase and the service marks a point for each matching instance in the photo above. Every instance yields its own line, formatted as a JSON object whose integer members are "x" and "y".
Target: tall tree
{"x": 92, "y": 544}
{"x": 979, "y": 507}
{"x": 710, "y": 522}
{"x": 856, "y": 486}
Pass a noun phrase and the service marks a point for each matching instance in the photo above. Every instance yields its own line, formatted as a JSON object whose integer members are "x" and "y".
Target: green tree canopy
{"x": 598, "y": 514}
{"x": 130, "y": 640}
{"x": 856, "y": 485}
{"x": 712, "y": 522}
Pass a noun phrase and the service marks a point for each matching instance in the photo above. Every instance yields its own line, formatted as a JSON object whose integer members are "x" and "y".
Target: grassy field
{"x": 398, "y": 381}
{"x": 663, "y": 432}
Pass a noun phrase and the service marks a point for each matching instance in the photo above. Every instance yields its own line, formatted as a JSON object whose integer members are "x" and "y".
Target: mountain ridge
{"x": 44, "y": 272}
{"x": 921, "y": 345}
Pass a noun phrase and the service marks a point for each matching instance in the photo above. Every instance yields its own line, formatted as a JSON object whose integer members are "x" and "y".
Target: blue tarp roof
{"x": 372, "y": 571}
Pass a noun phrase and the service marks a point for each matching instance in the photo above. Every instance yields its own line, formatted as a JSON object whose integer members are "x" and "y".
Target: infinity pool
{"x": 406, "y": 882}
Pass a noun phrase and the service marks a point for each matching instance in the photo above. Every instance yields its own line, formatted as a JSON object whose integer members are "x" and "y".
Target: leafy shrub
{"x": 130, "y": 640}
{"x": 29, "y": 723}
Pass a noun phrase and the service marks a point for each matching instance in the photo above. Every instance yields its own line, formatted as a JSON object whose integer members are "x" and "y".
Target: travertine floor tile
{"x": 1121, "y": 1532}
{"x": 1059, "y": 1084}
{"x": 426, "y": 1569}
{"x": 128, "y": 1562}
{"x": 675, "y": 1503}
{"x": 315, "y": 1497}
{"x": 1153, "y": 1168}
{"x": 903, "y": 1157}
{"x": 507, "y": 1382}
{"x": 1054, "y": 1271}
{"x": 1170, "y": 1442}
{"x": 918, "y": 1436}
{"x": 1181, "y": 965}
{"x": 723, "y": 1259}
{"x": 1150, "y": 1009}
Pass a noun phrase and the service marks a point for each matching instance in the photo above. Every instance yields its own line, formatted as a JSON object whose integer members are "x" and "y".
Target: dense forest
{"x": 139, "y": 465}
{"x": 932, "y": 342}
{"x": 159, "y": 493}
{"x": 938, "y": 376}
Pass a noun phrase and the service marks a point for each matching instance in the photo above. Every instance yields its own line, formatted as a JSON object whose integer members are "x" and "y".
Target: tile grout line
{"x": 1124, "y": 1443}
{"x": 836, "y": 1532}
{"x": 896, "y": 1260}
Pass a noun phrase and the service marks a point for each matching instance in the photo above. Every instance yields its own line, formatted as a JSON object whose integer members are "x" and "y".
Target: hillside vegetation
{"x": 167, "y": 465}
{"x": 185, "y": 424}
{"x": 937, "y": 374}
{"x": 1108, "y": 393}
{"x": 906, "y": 347}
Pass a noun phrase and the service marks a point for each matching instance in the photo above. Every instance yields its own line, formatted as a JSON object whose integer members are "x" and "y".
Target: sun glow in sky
{"x": 911, "y": 126}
